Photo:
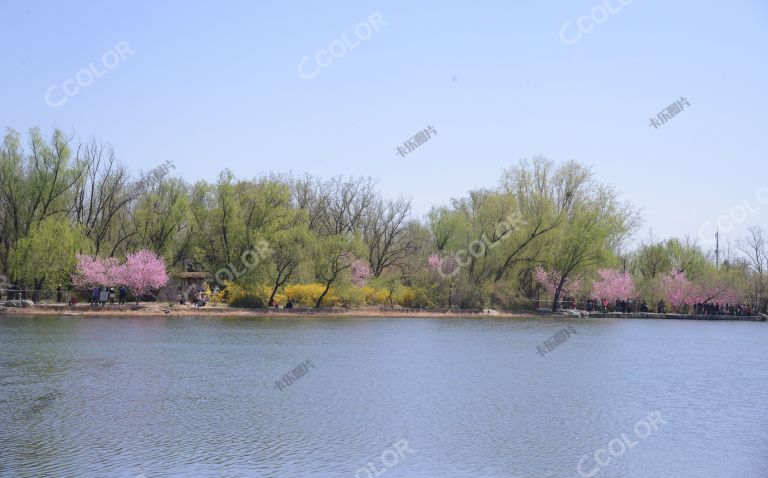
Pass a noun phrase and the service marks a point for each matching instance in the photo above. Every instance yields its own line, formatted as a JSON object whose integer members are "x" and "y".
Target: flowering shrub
{"x": 406, "y": 297}
{"x": 375, "y": 296}
{"x": 307, "y": 294}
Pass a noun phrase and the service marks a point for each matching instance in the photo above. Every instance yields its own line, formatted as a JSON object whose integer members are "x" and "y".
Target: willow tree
{"x": 46, "y": 256}
{"x": 591, "y": 235}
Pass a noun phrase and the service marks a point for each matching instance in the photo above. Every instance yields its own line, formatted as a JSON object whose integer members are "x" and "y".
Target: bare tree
{"x": 102, "y": 193}
{"x": 755, "y": 250}
{"x": 386, "y": 234}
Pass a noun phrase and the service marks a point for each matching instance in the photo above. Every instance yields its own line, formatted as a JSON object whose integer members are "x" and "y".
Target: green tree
{"x": 47, "y": 255}
{"x": 333, "y": 256}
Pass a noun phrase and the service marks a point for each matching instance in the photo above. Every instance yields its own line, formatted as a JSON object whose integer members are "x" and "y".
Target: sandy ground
{"x": 133, "y": 310}
{"x": 162, "y": 309}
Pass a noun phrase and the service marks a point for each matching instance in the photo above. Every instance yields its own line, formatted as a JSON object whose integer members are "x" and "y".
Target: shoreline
{"x": 143, "y": 310}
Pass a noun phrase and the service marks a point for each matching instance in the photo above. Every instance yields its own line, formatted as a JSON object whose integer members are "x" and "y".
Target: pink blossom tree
{"x": 613, "y": 285}
{"x": 435, "y": 262}
{"x": 554, "y": 283}
{"x": 142, "y": 272}
{"x": 94, "y": 271}
{"x": 677, "y": 289}
{"x": 445, "y": 267}
{"x": 361, "y": 272}
{"x": 714, "y": 291}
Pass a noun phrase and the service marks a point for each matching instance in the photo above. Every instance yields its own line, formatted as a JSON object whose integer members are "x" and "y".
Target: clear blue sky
{"x": 216, "y": 84}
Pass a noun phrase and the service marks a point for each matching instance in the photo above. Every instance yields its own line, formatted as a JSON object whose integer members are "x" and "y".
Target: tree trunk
{"x": 556, "y": 300}
{"x": 38, "y": 288}
{"x": 320, "y": 299}
{"x": 274, "y": 290}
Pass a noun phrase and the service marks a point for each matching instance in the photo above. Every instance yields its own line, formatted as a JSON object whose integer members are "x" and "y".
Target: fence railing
{"x": 44, "y": 296}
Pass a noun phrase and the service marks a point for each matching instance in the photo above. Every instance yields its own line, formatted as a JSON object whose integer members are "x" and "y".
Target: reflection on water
{"x": 392, "y": 397}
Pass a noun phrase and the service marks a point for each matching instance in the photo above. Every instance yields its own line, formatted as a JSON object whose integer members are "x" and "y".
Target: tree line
{"x": 60, "y": 197}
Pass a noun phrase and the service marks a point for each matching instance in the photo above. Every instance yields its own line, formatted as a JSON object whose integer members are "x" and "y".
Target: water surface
{"x": 160, "y": 397}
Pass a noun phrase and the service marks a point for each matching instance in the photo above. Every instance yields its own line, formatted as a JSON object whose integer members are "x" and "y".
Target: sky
{"x": 334, "y": 88}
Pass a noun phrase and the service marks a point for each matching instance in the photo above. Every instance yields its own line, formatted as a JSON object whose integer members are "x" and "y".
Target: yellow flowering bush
{"x": 235, "y": 292}
{"x": 307, "y": 294}
{"x": 215, "y": 297}
{"x": 405, "y": 296}
{"x": 376, "y": 296}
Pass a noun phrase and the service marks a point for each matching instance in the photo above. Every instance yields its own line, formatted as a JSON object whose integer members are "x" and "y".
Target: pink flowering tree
{"x": 142, "y": 272}
{"x": 445, "y": 267}
{"x": 360, "y": 272}
{"x": 556, "y": 285}
{"x": 613, "y": 285}
{"x": 435, "y": 262}
{"x": 714, "y": 291}
{"x": 677, "y": 289}
{"x": 93, "y": 271}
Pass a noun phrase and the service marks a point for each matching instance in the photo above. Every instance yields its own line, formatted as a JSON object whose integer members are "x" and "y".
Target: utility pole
{"x": 717, "y": 249}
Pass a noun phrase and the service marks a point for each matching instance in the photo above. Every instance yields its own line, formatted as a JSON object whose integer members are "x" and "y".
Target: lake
{"x": 172, "y": 397}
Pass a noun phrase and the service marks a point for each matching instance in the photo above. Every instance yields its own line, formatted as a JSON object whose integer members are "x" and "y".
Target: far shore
{"x": 154, "y": 310}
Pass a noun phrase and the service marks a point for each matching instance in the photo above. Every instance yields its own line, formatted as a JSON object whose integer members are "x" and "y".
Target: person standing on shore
{"x": 121, "y": 297}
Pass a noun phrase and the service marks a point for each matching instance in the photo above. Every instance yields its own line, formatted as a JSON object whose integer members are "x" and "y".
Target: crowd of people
{"x": 623, "y": 306}
{"x": 195, "y": 297}
{"x": 708, "y": 308}
{"x": 705, "y": 308}
{"x": 102, "y": 296}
